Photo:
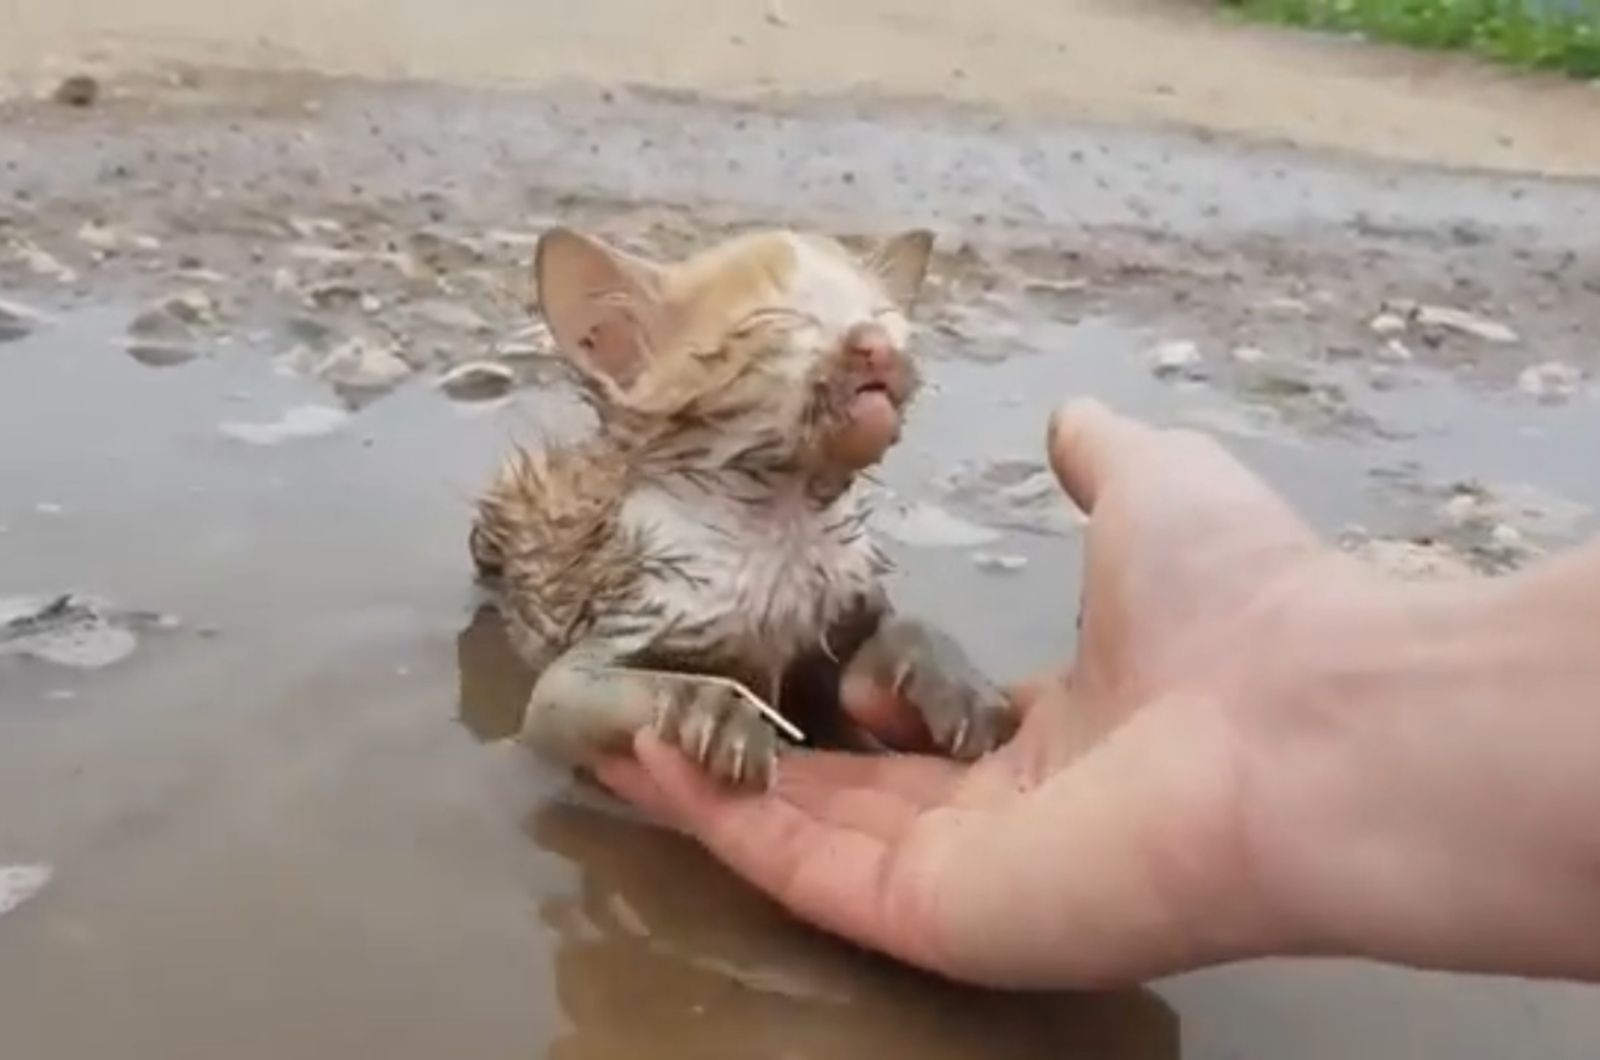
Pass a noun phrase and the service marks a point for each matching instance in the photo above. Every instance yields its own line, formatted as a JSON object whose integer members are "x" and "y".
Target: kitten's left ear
{"x": 902, "y": 264}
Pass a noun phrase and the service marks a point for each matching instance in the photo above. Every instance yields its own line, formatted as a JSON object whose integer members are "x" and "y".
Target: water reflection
{"x": 662, "y": 953}
{"x": 493, "y": 682}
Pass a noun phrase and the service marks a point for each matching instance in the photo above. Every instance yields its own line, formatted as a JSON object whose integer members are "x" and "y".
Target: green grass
{"x": 1564, "y": 37}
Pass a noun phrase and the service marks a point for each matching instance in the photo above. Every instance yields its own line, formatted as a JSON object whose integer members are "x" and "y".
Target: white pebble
{"x": 997, "y": 563}
{"x": 1550, "y": 381}
{"x": 1388, "y": 324}
{"x": 18, "y": 883}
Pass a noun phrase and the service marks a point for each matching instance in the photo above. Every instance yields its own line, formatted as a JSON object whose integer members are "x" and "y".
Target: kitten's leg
{"x": 583, "y": 707}
{"x": 964, "y": 712}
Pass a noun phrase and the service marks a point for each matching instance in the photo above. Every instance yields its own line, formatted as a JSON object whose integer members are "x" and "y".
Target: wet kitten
{"x": 712, "y": 534}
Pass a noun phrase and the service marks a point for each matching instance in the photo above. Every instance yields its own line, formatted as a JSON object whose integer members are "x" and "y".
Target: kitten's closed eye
{"x": 770, "y": 316}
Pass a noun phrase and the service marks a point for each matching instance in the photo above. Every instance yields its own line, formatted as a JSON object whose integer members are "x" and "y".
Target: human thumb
{"x": 1087, "y": 442}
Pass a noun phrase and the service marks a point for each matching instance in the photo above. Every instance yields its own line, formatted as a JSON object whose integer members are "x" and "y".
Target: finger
{"x": 824, "y": 874}
{"x": 874, "y": 704}
{"x": 629, "y": 781}
{"x": 871, "y": 701}
{"x": 1087, "y": 442}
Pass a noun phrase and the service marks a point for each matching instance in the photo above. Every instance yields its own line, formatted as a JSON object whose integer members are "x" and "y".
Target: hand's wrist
{"x": 1406, "y": 807}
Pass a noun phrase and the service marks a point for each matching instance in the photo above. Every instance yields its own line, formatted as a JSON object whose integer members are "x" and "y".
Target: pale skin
{"x": 1261, "y": 748}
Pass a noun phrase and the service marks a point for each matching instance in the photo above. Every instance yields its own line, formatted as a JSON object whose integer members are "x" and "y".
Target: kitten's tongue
{"x": 872, "y": 426}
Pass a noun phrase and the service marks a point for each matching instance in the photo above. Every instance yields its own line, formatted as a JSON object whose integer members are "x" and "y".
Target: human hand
{"x": 1106, "y": 843}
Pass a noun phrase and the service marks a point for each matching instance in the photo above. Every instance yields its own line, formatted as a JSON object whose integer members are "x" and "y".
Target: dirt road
{"x": 1101, "y": 60}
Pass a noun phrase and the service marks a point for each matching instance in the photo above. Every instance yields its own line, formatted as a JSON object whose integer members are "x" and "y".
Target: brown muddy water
{"x": 286, "y": 827}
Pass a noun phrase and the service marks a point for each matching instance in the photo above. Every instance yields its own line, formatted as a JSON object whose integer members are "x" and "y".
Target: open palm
{"x": 1104, "y": 844}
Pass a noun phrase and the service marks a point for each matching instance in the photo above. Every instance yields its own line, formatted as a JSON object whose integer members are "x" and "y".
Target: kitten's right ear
{"x": 603, "y": 306}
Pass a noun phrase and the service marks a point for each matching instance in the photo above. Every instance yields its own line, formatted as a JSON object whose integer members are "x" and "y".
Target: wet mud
{"x": 284, "y": 823}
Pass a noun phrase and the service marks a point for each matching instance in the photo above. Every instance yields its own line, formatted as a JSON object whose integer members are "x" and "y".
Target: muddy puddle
{"x": 283, "y": 825}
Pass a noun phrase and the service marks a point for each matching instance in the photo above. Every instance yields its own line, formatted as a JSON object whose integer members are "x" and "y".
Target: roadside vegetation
{"x": 1561, "y": 35}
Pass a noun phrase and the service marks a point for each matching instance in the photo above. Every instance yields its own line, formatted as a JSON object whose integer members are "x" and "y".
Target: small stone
{"x": 1285, "y": 306}
{"x": 110, "y": 239}
{"x": 193, "y": 306}
{"x": 1071, "y": 285}
{"x": 300, "y": 360}
{"x": 97, "y": 235}
{"x": 43, "y": 263}
{"x": 203, "y": 275}
{"x": 1550, "y": 382}
{"x": 1466, "y": 323}
{"x": 363, "y": 364}
{"x": 1462, "y": 508}
{"x": 999, "y": 563}
{"x": 1396, "y": 351}
{"x": 161, "y": 354}
{"x": 776, "y": 15}
{"x": 1180, "y": 358}
{"x": 318, "y": 254}
{"x": 370, "y": 304}
{"x": 18, "y": 320}
{"x": 477, "y": 381}
{"x": 315, "y": 227}
{"x": 283, "y": 281}
{"x": 1507, "y": 536}
{"x": 445, "y": 254}
{"x": 49, "y": 508}
{"x": 451, "y": 315}
{"x": 79, "y": 90}
{"x": 159, "y": 323}
{"x": 335, "y": 294}
{"x": 19, "y": 883}
{"x": 515, "y": 240}
{"x": 534, "y": 340}
{"x": 309, "y": 329}
{"x": 1248, "y": 354}
{"x": 1388, "y": 324}
{"x": 164, "y": 334}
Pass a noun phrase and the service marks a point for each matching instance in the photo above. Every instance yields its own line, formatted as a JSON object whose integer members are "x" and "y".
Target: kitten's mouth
{"x": 871, "y": 425}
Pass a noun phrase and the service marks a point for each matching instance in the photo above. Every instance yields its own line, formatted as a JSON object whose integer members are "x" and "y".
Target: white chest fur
{"x": 759, "y": 582}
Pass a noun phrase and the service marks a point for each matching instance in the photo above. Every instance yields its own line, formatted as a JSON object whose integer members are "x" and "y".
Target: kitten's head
{"x": 777, "y": 347}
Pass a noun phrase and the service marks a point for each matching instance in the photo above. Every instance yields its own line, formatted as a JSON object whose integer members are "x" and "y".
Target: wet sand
{"x": 287, "y": 828}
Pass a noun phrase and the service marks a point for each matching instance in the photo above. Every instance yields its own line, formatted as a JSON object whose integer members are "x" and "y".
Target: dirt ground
{"x": 1134, "y": 61}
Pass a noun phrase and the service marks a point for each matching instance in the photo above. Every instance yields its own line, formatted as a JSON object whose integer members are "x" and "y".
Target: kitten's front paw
{"x": 718, "y": 727}
{"x": 965, "y": 713}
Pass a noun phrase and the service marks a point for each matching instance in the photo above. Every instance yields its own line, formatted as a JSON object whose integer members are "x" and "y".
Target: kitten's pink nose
{"x": 872, "y": 344}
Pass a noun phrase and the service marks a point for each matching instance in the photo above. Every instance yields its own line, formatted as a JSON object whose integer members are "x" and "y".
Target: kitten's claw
{"x": 725, "y": 733}
{"x": 965, "y": 713}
